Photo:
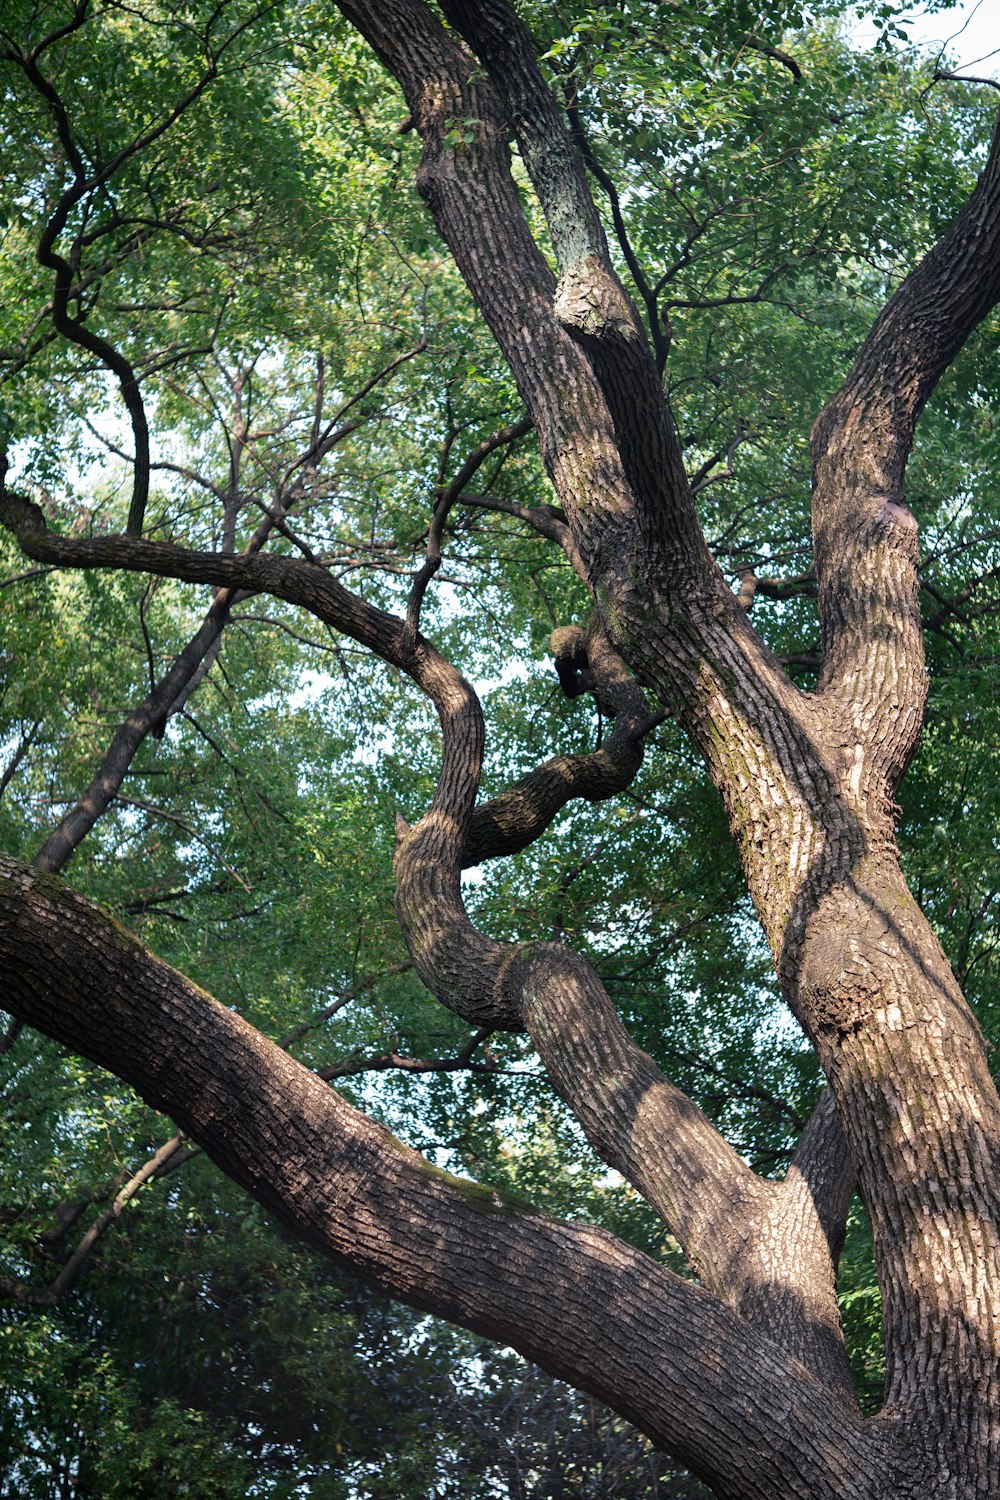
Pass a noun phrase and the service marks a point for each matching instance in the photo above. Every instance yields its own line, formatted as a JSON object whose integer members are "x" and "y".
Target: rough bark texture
{"x": 744, "y": 1376}
{"x": 577, "y": 1301}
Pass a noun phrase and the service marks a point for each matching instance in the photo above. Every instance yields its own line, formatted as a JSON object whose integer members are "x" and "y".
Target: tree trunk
{"x": 742, "y": 1374}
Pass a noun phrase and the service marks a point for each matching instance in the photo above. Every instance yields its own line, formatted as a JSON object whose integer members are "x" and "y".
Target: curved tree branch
{"x": 865, "y": 537}
{"x": 580, "y": 1303}
{"x": 518, "y": 815}
{"x": 665, "y": 1146}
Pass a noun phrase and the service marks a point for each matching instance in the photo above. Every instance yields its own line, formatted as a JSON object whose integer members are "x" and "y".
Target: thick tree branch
{"x": 176, "y": 1152}
{"x": 776, "y": 1267}
{"x": 670, "y": 1151}
{"x": 472, "y": 195}
{"x": 823, "y": 1170}
{"x": 865, "y": 537}
{"x": 658, "y": 336}
{"x": 591, "y": 302}
{"x": 582, "y": 1304}
{"x": 631, "y": 516}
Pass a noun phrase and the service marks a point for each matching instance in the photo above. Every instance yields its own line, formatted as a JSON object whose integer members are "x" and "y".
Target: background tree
{"x": 324, "y": 406}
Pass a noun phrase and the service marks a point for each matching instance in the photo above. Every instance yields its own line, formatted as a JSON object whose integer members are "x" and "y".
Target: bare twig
{"x": 446, "y": 499}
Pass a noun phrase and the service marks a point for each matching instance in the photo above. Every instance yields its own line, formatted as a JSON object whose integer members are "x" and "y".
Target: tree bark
{"x": 743, "y": 1377}
{"x": 808, "y": 781}
{"x": 667, "y": 1354}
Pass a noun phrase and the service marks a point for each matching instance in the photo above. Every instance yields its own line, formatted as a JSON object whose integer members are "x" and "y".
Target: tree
{"x": 741, "y": 1373}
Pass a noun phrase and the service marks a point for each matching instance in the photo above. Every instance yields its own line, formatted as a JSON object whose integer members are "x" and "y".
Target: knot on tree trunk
{"x": 591, "y": 305}
{"x": 569, "y": 648}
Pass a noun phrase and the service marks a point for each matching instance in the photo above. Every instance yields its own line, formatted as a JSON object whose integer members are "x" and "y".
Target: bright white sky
{"x": 970, "y": 31}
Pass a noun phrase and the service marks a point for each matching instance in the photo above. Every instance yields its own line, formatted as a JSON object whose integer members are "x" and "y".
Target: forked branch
{"x": 464, "y": 1252}
{"x": 666, "y": 1147}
